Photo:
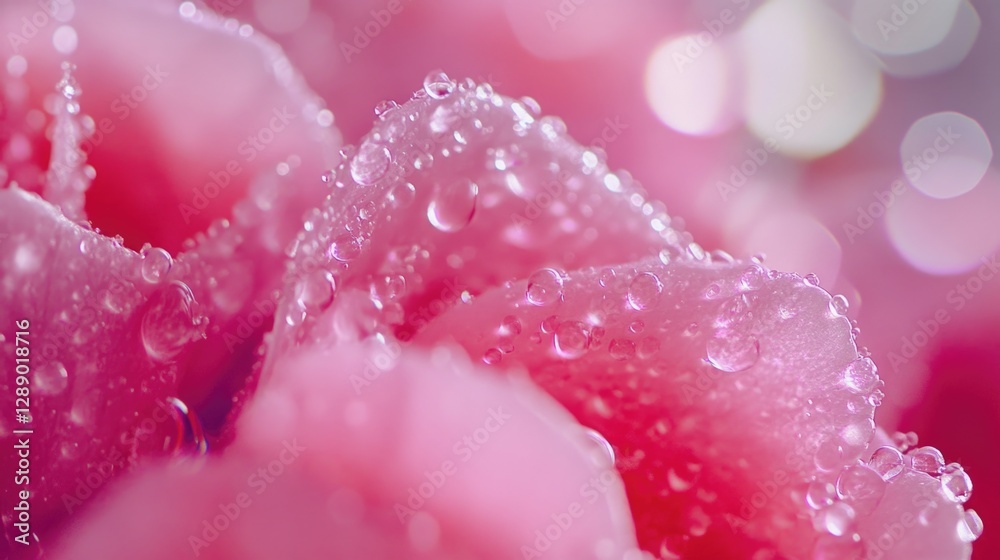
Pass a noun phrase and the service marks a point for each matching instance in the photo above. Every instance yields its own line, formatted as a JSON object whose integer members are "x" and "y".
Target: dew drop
{"x": 370, "y": 163}
{"x": 831, "y": 454}
{"x": 644, "y": 291}
{"x": 811, "y": 279}
{"x": 820, "y": 494}
{"x": 510, "y": 325}
{"x": 862, "y": 487}
{"x": 887, "y": 462}
{"x": 927, "y": 460}
{"x": 956, "y": 483}
{"x": 170, "y": 322}
{"x": 438, "y": 85}
{"x": 970, "y": 527}
{"x": 839, "y": 305}
{"x": 156, "y": 263}
{"x": 384, "y": 107}
{"x": 545, "y": 287}
{"x": 492, "y": 356}
{"x": 345, "y": 248}
{"x": 51, "y": 378}
{"x": 402, "y": 195}
{"x": 835, "y": 519}
{"x": 68, "y": 86}
{"x": 571, "y": 339}
{"x": 621, "y": 349}
{"x": 452, "y": 207}
{"x": 861, "y": 376}
{"x": 734, "y": 352}
{"x": 600, "y": 450}
{"x": 315, "y": 290}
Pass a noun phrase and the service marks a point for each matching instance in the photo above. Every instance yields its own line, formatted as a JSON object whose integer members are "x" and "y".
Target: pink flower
{"x": 469, "y": 339}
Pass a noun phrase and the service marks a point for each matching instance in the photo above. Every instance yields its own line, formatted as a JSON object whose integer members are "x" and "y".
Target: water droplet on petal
{"x": 170, "y": 322}
{"x": 839, "y": 305}
{"x": 831, "y": 454}
{"x": 956, "y": 483}
{"x": 753, "y": 278}
{"x": 156, "y": 263}
{"x": 621, "y": 349}
{"x": 836, "y": 519}
{"x": 452, "y": 207}
{"x": 51, "y": 378}
{"x": 315, "y": 290}
{"x": 383, "y": 108}
{"x": 820, "y": 494}
{"x": 970, "y": 527}
{"x": 370, "y": 163}
{"x": 545, "y": 287}
{"x": 811, "y": 279}
{"x": 887, "y": 462}
{"x": 644, "y": 291}
{"x": 510, "y": 325}
{"x": 862, "y": 487}
{"x": 861, "y": 376}
{"x": 492, "y": 356}
{"x": 438, "y": 85}
{"x": 571, "y": 339}
{"x": 927, "y": 460}
{"x": 345, "y": 248}
{"x": 601, "y": 451}
{"x": 733, "y": 352}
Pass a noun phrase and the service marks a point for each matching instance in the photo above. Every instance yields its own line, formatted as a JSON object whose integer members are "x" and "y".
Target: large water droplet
{"x": 492, "y": 356}
{"x": 370, "y": 163}
{"x": 345, "y": 248}
{"x": 438, "y": 85}
{"x": 315, "y": 290}
{"x": 733, "y": 352}
{"x": 545, "y": 287}
{"x": 170, "y": 322}
{"x": 189, "y": 439}
{"x": 861, "y": 376}
{"x": 621, "y": 349}
{"x": 970, "y": 527}
{"x": 452, "y": 207}
{"x": 820, "y": 494}
{"x": 571, "y": 339}
{"x": 956, "y": 483}
{"x": 839, "y": 305}
{"x": 887, "y": 462}
{"x": 862, "y": 487}
{"x": 600, "y": 450}
{"x": 51, "y": 378}
{"x": 836, "y": 519}
{"x": 156, "y": 263}
{"x": 644, "y": 291}
{"x": 927, "y": 460}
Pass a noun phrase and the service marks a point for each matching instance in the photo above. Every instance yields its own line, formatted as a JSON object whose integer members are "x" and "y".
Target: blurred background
{"x": 850, "y": 139}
